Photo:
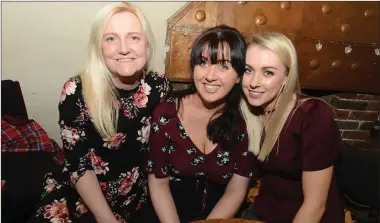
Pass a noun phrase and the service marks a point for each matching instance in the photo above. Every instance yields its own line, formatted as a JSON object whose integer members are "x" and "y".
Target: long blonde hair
{"x": 99, "y": 91}
{"x": 284, "y": 48}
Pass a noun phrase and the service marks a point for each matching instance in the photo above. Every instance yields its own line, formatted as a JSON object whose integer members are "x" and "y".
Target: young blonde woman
{"x": 300, "y": 140}
{"x": 105, "y": 118}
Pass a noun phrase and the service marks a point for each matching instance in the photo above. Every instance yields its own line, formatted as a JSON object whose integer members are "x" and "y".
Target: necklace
{"x": 269, "y": 111}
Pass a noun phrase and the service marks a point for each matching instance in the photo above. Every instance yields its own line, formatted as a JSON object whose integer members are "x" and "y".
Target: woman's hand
{"x": 162, "y": 199}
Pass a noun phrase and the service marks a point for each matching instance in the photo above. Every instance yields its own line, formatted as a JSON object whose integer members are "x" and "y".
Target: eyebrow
{"x": 220, "y": 61}
{"x": 270, "y": 68}
{"x": 130, "y": 33}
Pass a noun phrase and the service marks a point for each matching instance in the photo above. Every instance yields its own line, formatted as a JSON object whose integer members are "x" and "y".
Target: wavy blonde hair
{"x": 99, "y": 91}
{"x": 284, "y": 48}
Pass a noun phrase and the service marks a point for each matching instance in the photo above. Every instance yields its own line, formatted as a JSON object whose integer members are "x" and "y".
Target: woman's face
{"x": 264, "y": 76}
{"x": 124, "y": 44}
{"x": 214, "y": 81}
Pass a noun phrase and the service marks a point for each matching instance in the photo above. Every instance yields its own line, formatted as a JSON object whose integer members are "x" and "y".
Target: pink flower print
{"x": 80, "y": 207}
{"x": 128, "y": 181}
{"x": 100, "y": 167}
{"x": 127, "y": 114}
{"x": 57, "y": 211}
{"x": 115, "y": 141}
{"x": 103, "y": 186}
{"x": 119, "y": 219}
{"x": 68, "y": 89}
{"x": 71, "y": 135}
{"x": 144, "y": 134}
{"x": 140, "y": 99}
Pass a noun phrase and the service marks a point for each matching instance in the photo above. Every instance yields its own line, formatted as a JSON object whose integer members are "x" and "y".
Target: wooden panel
{"x": 178, "y": 58}
{"x": 193, "y": 17}
{"x": 342, "y": 21}
{"x": 332, "y": 69}
{"x": 253, "y": 17}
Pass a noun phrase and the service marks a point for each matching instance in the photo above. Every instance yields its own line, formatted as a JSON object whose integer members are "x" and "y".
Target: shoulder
{"x": 315, "y": 109}
{"x": 71, "y": 88}
{"x": 156, "y": 78}
{"x": 313, "y": 114}
{"x": 166, "y": 107}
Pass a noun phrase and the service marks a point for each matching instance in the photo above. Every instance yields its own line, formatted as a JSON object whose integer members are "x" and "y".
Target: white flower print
{"x": 144, "y": 134}
{"x": 80, "y": 207}
{"x": 68, "y": 89}
{"x": 51, "y": 184}
{"x": 146, "y": 88}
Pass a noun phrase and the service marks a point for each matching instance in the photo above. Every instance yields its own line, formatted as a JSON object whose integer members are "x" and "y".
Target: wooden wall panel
{"x": 335, "y": 25}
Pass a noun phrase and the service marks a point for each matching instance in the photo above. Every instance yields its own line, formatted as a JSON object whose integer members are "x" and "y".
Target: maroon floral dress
{"x": 197, "y": 180}
{"x": 117, "y": 162}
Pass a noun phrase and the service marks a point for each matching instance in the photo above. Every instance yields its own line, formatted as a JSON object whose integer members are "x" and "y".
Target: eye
{"x": 110, "y": 39}
{"x": 223, "y": 66}
{"x": 268, "y": 73}
{"x": 135, "y": 38}
{"x": 248, "y": 70}
{"x": 203, "y": 63}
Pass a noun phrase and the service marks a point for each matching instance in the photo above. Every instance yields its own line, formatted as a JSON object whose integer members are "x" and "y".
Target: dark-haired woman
{"x": 198, "y": 164}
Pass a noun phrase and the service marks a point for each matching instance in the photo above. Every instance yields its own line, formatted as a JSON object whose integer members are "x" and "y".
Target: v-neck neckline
{"x": 188, "y": 136}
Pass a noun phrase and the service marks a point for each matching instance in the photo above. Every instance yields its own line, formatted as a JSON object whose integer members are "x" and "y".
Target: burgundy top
{"x": 173, "y": 154}
{"x": 309, "y": 141}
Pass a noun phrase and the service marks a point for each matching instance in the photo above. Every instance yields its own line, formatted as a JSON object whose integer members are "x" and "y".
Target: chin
{"x": 212, "y": 99}
{"x": 254, "y": 102}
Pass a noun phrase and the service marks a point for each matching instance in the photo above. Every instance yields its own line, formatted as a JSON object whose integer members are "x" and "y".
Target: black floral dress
{"x": 197, "y": 180}
{"x": 117, "y": 162}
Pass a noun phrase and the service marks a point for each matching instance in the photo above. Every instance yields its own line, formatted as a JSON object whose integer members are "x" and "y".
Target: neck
{"x": 127, "y": 83}
{"x": 270, "y": 107}
{"x": 200, "y": 104}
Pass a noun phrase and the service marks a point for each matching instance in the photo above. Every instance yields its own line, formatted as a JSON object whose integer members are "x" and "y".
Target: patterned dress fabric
{"x": 197, "y": 180}
{"x": 117, "y": 162}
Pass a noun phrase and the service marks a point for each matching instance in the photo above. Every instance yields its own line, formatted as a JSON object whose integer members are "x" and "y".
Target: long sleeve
{"x": 74, "y": 123}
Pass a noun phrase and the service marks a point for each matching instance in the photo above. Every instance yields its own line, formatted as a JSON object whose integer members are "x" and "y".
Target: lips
{"x": 255, "y": 94}
{"x": 211, "y": 88}
{"x": 125, "y": 59}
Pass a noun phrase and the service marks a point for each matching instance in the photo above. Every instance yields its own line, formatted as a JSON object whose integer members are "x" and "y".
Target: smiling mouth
{"x": 212, "y": 88}
{"x": 255, "y": 93}
{"x": 125, "y": 59}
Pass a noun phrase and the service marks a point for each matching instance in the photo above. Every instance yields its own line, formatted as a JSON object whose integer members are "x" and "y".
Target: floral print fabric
{"x": 203, "y": 176}
{"x": 117, "y": 162}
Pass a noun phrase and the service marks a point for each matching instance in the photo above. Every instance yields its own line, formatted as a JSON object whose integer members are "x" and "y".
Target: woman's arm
{"x": 232, "y": 198}
{"x": 73, "y": 121}
{"x": 89, "y": 189}
{"x": 320, "y": 145}
{"x": 162, "y": 199}
{"x": 315, "y": 186}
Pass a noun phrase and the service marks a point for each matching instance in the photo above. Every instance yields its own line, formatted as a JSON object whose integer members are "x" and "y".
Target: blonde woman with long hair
{"x": 294, "y": 138}
{"x": 105, "y": 115}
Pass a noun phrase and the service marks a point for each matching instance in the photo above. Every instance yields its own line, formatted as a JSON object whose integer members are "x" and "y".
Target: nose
{"x": 255, "y": 80}
{"x": 211, "y": 75}
{"x": 124, "y": 47}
